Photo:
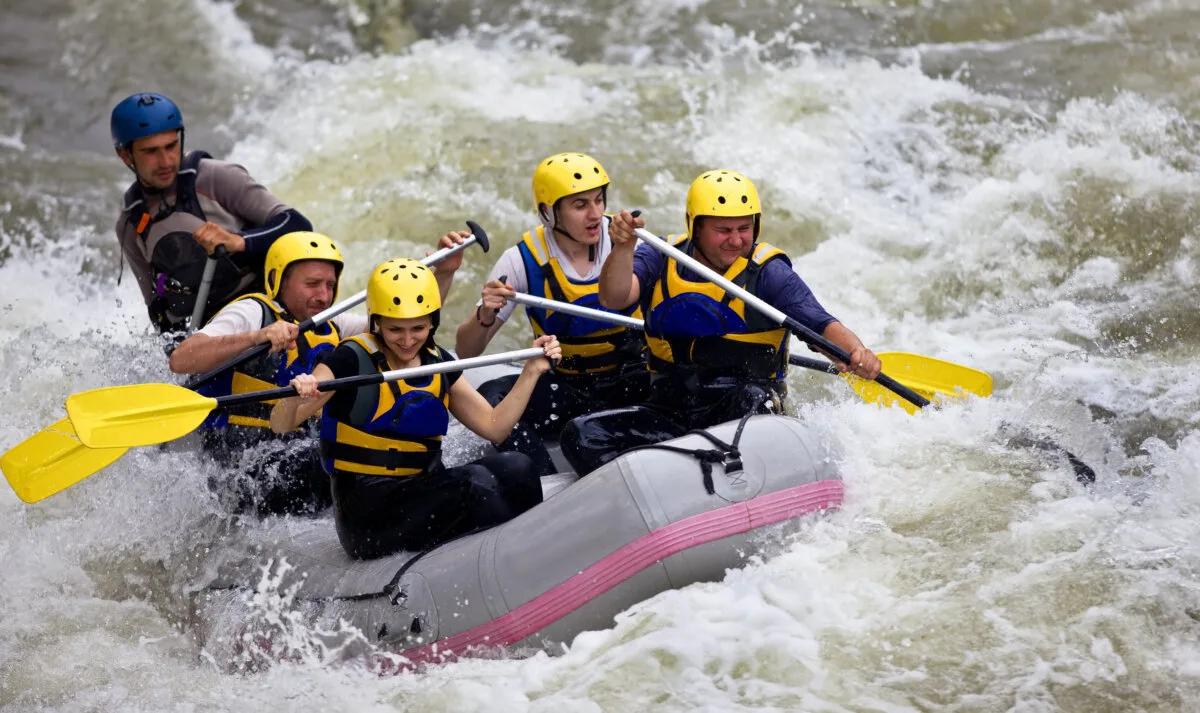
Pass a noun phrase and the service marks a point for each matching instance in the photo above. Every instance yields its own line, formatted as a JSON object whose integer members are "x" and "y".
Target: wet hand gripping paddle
{"x": 931, "y": 378}
{"x": 804, "y": 333}
{"x": 926, "y": 378}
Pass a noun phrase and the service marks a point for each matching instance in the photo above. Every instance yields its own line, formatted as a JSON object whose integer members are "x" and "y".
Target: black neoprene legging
{"x": 380, "y": 515}
{"x": 556, "y": 400}
{"x": 589, "y": 442}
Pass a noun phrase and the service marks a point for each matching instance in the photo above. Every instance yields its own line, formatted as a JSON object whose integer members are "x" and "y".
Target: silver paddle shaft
{"x": 361, "y": 296}
{"x": 597, "y": 314}
{"x": 463, "y": 364}
{"x": 690, "y": 262}
{"x": 210, "y": 268}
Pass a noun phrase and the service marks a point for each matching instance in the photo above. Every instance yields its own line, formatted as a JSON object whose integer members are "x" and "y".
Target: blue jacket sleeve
{"x": 259, "y": 239}
{"x": 782, "y": 288}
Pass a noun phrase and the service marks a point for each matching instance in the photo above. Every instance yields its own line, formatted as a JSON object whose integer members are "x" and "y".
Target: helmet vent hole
{"x": 721, "y": 200}
{"x": 745, "y": 199}
{"x": 395, "y": 300}
{"x": 578, "y": 176}
{"x": 420, "y": 299}
{"x": 413, "y": 275}
{"x": 395, "y": 277}
{"x": 314, "y": 243}
{"x": 596, "y": 169}
{"x": 718, "y": 179}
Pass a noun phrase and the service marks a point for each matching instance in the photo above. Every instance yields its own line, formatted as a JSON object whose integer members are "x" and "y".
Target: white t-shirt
{"x": 512, "y": 267}
{"x": 243, "y": 316}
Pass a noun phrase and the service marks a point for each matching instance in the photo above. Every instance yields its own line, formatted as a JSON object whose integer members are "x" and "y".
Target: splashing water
{"x": 1007, "y": 187}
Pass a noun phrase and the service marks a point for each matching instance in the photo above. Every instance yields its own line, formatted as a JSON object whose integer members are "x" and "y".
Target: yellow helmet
{"x": 294, "y": 247}
{"x": 402, "y": 288}
{"x": 722, "y": 194}
{"x": 566, "y": 174}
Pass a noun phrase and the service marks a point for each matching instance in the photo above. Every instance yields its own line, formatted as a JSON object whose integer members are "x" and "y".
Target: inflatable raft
{"x": 648, "y": 521}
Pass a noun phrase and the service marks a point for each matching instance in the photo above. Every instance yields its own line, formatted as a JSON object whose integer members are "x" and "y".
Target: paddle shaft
{"x": 382, "y": 377}
{"x": 579, "y": 311}
{"x": 477, "y": 236}
{"x": 634, "y": 323}
{"x": 210, "y": 269}
{"x": 774, "y": 314}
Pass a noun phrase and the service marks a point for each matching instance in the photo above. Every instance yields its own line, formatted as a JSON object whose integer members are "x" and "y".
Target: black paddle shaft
{"x": 283, "y": 391}
{"x": 814, "y": 364}
{"x": 393, "y": 375}
{"x": 481, "y": 238}
{"x": 840, "y": 354}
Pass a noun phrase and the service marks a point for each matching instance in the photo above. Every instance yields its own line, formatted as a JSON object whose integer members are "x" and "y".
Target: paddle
{"x": 145, "y": 414}
{"x": 54, "y": 459}
{"x": 927, "y": 376}
{"x": 801, "y": 331}
{"x": 210, "y": 269}
{"x": 477, "y": 236}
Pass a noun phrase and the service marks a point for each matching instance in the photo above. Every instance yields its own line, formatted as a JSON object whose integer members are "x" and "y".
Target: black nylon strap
{"x": 392, "y": 458}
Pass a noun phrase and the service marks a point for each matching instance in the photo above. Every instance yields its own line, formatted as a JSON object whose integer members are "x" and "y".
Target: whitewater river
{"x": 1011, "y": 186}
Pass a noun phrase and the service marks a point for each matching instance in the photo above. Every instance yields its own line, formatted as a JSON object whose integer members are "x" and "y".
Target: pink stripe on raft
{"x": 611, "y": 570}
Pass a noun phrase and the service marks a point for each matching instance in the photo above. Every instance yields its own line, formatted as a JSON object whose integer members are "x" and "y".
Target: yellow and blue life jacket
{"x": 269, "y": 370}
{"x": 698, "y": 326}
{"x": 589, "y": 346}
{"x": 392, "y": 429}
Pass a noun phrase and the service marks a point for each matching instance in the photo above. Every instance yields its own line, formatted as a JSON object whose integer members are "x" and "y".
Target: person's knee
{"x": 589, "y": 442}
{"x": 495, "y": 390}
{"x": 752, "y": 399}
{"x": 519, "y": 479}
{"x": 510, "y": 464}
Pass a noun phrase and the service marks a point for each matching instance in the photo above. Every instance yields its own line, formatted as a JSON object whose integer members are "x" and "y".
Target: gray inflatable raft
{"x": 637, "y": 526}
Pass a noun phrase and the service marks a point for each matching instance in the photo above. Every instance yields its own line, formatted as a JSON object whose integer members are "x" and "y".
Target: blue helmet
{"x": 143, "y": 114}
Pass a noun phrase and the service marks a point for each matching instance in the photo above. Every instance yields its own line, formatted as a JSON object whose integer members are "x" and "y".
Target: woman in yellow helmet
{"x": 603, "y": 365}
{"x": 382, "y": 444}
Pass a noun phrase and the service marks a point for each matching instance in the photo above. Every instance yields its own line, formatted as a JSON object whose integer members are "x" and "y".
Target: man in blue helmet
{"x": 181, "y": 207}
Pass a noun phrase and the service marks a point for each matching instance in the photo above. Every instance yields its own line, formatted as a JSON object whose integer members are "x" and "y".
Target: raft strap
{"x": 727, "y": 454}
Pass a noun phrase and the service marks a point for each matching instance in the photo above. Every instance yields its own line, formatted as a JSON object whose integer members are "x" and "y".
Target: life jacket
{"x": 175, "y": 256}
{"x": 697, "y": 326}
{"x": 392, "y": 429}
{"x": 268, "y": 370}
{"x": 589, "y": 346}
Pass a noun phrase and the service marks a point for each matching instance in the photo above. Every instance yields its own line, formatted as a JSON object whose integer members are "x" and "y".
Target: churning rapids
{"x": 1011, "y": 186}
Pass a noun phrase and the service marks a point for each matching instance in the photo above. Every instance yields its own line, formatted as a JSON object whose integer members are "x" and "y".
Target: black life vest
{"x": 394, "y": 428}
{"x": 268, "y": 370}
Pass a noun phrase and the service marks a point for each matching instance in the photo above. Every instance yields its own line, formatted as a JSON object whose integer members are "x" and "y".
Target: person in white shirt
{"x": 277, "y": 473}
{"x": 603, "y": 365}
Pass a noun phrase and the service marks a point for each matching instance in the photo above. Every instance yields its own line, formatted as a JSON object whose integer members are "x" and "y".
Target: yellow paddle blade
{"x": 136, "y": 415}
{"x": 935, "y": 379}
{"x": 52, "y": 460}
